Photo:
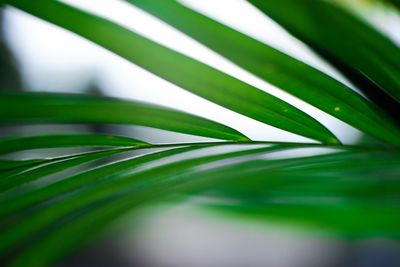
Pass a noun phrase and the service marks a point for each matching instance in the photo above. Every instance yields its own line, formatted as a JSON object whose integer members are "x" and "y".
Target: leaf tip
{"x": 333, "y": 141}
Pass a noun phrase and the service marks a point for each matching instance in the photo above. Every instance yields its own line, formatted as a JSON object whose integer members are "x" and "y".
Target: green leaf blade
{"x": 271, "y": 173}
{"x": 181, "y": 70}
{"x": 277, "y": 68}
{"x": 342, "y": 36}
{"x": 69, "y": 108}
{"x": 41, "y": 171}
{"x": 17, "y": 143}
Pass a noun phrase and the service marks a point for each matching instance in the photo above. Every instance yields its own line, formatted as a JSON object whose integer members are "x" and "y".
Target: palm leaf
{"x": 305, "y": 82}
{"x": 15, "y": 164}
{"x": 68, "y": 108}
{"x": 181, "y": 70}
{"x": 15, "y": 179}
{"x": 125, "y": 189}
{"x": 362, "y": 53}
{"x": 50, "y": 207}
{"x": 16, "y": 143}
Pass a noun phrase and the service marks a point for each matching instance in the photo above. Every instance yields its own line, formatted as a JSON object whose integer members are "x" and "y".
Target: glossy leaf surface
{"x": 69, "y": 108}
{"x": 52, "y": 206}
{"x": 341, "y": 35}
{"x": 285, "y": 72}
{"x": 181, "y": 70}
{"x": 14, "y": 143}
{"x": 299, "y": 184}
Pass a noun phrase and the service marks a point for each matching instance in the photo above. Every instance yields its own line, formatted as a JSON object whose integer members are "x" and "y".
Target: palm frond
{"x": 285, "y": 72}
{"x": 362, "y": 53}
{"x": 181, "y": 70}
{"x": 51, "y": 206}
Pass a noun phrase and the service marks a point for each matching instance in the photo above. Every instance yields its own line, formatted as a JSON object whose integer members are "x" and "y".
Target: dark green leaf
{"x": 13, "y": 164}
{"x": 342, "y": 36}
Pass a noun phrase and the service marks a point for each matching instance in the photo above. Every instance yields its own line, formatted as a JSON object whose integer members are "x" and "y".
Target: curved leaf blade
{"x": 342, "y": 196}
{"x": 18, "y": 143}
{"x": 277, "y": 68}
{"x": 181, "y": 70}
{"x": 342, "y": 36}
{"x": 114, "y": 182}
{"x": 15, "y": 164}
{"x": 70, "y": 184}
{"x": 69, "y": 108}
{"x": 41, "y": 171}
{"x": 151, "y": 185}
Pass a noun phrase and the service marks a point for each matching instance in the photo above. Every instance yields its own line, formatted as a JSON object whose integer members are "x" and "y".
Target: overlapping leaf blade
{"x": 338, "y": 35}
{"x": 181, "y": 70}
{"x": 274, "y": 176}
{"x": 277, "y": 68}
{"x": 109, "y": 182}
{"x": 13, "y": 164}
{"x": 355, "y": 199}
{"x": 17, "y": 143}
{"x": 19, "y": 178}
{"x": 18, "y": 201}
{"x": 353, "y": 191}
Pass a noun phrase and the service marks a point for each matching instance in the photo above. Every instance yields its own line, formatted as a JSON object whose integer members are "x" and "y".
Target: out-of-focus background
{"x": 37, "y": 56}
